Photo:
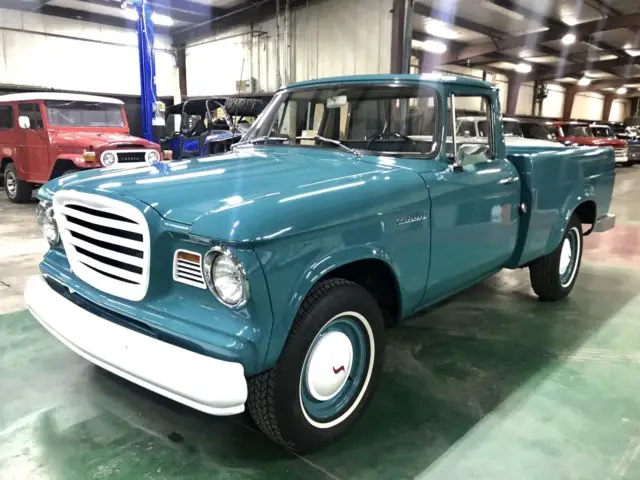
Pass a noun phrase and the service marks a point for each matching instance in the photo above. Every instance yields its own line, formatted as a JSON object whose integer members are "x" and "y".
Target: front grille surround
{"x": 128, "y": 157}
{"x": 107, "y": 242}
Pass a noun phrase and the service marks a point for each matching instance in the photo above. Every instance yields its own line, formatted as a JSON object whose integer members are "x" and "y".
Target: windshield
{"x": 395, "y": 120}
{"x": 84, "y": 114}
{"x": 601, "y": 132}
{"x": 576, "y": 131}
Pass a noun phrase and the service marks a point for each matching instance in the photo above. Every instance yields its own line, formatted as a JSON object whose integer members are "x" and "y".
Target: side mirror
{"x": 24, "y": 122}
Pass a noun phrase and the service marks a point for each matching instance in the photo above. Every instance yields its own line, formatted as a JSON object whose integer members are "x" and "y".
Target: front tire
{"x": 553, "y": 276}
{"x": 18, "y": 191}
{"x": 327, "y": 372}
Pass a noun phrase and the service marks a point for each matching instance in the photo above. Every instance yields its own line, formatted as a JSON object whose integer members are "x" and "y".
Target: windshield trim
{"x": 438, "y": 128}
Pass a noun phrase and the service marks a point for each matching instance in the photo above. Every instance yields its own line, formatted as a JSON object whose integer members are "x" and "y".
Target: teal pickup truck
{"x": 264, "y": 278}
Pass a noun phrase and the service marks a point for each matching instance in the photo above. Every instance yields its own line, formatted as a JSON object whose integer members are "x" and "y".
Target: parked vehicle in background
{"x": 537, "y": 129}
{"x": 621, "y": 131}
{"x": 476, "y": 126}
{"x": 265, "y": 279}
{"x": 580, "y": 133}
{"x": 45, "y": 135}
{"x": 205, "y": 126}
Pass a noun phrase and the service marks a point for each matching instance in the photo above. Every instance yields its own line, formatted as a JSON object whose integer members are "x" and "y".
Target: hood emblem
{"x": 416, "y": 217}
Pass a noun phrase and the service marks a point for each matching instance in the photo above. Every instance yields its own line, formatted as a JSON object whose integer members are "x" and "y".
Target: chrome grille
{"x": 188, "y": 271}
{"x": 106, "y": 241}
{"x": 620, "y": 152}
{"x": 131, "y": 157}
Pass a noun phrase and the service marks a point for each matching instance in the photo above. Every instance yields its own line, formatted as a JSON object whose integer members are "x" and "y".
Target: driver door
{"x": 474, "y": 201}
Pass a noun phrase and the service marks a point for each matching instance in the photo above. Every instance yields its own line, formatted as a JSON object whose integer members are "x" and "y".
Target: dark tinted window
{"x": 6, "y": 116}
{"x": 535, "y": 130}
{"x": 31, "y": 110}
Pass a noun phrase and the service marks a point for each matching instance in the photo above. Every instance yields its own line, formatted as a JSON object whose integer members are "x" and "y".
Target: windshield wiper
{"x": 266, "y": 138}
{"x": 332, "y": 141}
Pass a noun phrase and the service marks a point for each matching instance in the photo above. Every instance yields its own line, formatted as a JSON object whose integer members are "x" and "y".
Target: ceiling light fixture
{"x": 627, "y": 46}
{"x": 525, "y": 54}
{"x": 568, "y": 39}
{"x": 434, "y": 46}
{"x": 440, "y": 29}
{"x": 621, "y": 90}
{"x": 523, "y": 67}
{"x": 505, "y": 11}
{"x": 584, "y": 82}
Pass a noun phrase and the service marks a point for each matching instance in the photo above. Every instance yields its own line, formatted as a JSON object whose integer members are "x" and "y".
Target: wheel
{"x": 553, "y": 276}
{"x": 18, "y": 191}
{"x": 327, "y": 372}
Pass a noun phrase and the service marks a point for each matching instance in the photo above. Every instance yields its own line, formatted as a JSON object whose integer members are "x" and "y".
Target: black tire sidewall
{"x": 294, "y": 426}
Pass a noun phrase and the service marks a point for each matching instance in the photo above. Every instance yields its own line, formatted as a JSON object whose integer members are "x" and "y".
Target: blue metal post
{"x": 146, "y": 57}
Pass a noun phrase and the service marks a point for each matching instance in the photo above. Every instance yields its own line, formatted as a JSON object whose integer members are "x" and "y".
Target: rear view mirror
{"x": 24, "y": 122}
{"x": 337, "y": 101}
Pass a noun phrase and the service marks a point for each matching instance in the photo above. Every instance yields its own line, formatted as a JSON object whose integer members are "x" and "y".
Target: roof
{"x": 71, "y": 97}
{"x": 393, "y": 77}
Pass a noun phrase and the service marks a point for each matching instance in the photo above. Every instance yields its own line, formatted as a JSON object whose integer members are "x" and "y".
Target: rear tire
{"x": 553, "y": 276}
{"x": 327, "y": 371}
{"x": 18, "y": 191}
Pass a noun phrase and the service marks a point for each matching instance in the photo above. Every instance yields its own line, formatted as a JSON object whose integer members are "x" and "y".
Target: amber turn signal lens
{"x": 167, "y": 155}
{"x": 189, "y": 257}
{"x": 89, "y": 156}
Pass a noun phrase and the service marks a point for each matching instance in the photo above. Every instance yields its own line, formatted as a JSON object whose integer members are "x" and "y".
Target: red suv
{"x": 46, "y": 135}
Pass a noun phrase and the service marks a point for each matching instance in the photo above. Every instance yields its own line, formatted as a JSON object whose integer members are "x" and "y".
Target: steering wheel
{"x": 379, "y": 135}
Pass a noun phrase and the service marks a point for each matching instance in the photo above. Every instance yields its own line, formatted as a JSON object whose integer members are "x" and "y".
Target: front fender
{"x": 580, "y": 194}
{"x": 77, "y": 159}
{"x": 320, "y": 266}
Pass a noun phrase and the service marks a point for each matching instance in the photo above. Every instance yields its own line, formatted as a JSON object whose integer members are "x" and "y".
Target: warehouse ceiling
{"x": 592, "y": 43}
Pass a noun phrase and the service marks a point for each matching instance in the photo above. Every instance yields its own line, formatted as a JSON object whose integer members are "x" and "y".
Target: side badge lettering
{"x": 418, "y": 217}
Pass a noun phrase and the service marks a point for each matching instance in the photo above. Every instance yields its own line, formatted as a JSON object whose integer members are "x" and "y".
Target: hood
{"x": 530, "y": 145}
{"x": 99, "y": 140}
{"x": 258, "y": 193}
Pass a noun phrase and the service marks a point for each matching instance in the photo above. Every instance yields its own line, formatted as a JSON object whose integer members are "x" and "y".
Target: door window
{"x": 467, "y": 129}
{"x": 477, "y": 149}
{"x": 6, "y": 116}
{"x": 32, "y": 111}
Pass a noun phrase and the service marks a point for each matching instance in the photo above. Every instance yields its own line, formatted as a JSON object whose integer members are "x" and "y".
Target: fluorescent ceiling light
{"x": 434, "y": 46}
{"x": 627, "y": 46}
{"x": 568, "y": 39}
{"x": 163, "y": 20}
{"x": 523, "y": 67}
{"x": 505, "y": 11}
{"x": 525, "y": 54}
{"x": 621, "y": 90}
{"x": 584, "y": 82}
{"x": 440, "y": 29}
{"x": 156, "y": 18}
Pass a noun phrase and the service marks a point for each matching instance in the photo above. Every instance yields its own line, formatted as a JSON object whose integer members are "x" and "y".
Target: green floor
{"x": 493, "y": 384}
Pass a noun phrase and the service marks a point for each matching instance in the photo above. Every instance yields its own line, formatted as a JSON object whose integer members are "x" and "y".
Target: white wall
{"x": 51, "y": 52}
{"x": 553, "y": 105}
{"x": 619, "y": 110}
{"x": 334, "y": 37}
{"x": 525, "y": 99}
{"x": 588, "y": 106}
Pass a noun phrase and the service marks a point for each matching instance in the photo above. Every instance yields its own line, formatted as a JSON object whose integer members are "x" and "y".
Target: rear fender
{"x": 579, "y": 195}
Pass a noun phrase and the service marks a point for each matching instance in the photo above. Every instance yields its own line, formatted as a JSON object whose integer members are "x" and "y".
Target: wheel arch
{"x": 580, "y": 203}
{"x": 370, "y": 267}
{"x": 4, "y": 162}
{"x": 61, "y": 166}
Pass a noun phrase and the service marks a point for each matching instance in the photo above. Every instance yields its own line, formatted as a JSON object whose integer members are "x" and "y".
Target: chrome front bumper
{"x": 604, "y": 223}
{"x": 207, "y": 384}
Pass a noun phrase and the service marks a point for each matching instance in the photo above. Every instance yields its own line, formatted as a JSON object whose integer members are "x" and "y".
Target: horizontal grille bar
{"x": 102, "y": 221}
{"x": 131, "y": 157}
{"x": 132, "y": 252}
{"x": 108, "y": 230}
{"x": 109, "y": 261}
{"x": 100, "y": 213}
{"x": 187, "y": 271}
{"x": 115, "y": 277}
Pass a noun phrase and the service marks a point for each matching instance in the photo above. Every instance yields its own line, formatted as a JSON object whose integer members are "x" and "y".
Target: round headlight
{"x": 108, "y": 159}
{"x": 226, "y": 277}
{"x": 153, "y": 156}
{"x": 47, "y": 222}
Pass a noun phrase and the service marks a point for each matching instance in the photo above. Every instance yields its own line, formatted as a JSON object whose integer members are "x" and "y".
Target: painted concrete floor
{"x": 490, "y": 385}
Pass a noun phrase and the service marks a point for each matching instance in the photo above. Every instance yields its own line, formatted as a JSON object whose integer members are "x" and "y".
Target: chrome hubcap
{"x": 566, "y": 254}
{"x": 11, "y": 184}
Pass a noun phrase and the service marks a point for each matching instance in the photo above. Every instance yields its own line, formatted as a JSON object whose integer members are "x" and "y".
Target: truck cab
{"x": 582, "y": 134}
{"x": 46, "y": 135}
